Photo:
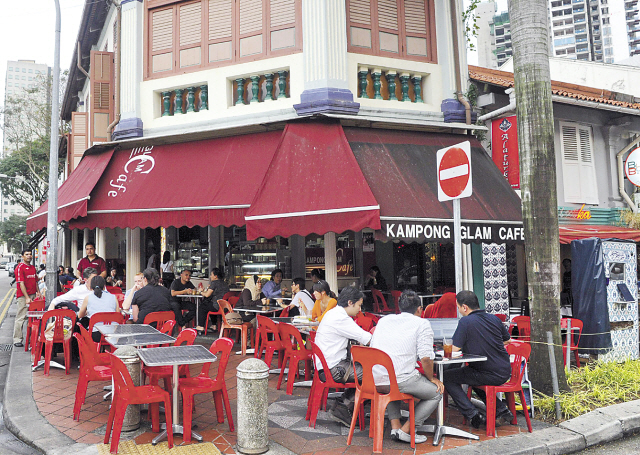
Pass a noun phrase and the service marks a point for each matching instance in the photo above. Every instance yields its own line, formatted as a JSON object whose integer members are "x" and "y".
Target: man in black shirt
{"x": 183, "y": 286}
{"x": 482, "y": 334}
{"x": 152, "y": 297}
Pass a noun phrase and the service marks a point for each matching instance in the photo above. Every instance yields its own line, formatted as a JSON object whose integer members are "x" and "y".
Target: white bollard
{"x": 253, "y": 421}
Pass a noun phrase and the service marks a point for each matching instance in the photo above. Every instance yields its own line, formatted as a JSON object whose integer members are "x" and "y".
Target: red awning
{"x": 569, "y": 232}
{"x": 74, "y": 192}
{"x": 202, "y": 183}
{"x": 400, "y": 167}
{"x": 314, "y": 185}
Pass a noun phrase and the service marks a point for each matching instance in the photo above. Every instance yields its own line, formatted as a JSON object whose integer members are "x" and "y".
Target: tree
{"x": 26, "y": 125}
{"x": 470, "y": 21}
{"x": 529, "y": 32}
{"x": 14, "y": 228}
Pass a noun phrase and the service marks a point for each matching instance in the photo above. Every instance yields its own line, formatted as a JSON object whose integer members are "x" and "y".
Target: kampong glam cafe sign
{"x": 504, "y": 149}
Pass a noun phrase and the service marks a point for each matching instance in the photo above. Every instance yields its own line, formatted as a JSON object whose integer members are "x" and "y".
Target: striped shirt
{"x": 405, "y": 338}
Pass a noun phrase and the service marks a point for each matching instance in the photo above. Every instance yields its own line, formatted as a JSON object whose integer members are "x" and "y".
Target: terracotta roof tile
{"x": 580, "y": 92}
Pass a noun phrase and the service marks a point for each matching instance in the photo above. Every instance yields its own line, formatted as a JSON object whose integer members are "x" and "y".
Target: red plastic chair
{"x": 368, "y": 358}
{"x": 502, "y": 317}
{"x": 294, "y": 353}
{"x": 159, "y": 317}
{"x": 379, "y": 302}
{"x": 233, "y": 300}
{"x": 524, "y": 327}
{"x": 246, "y": 328}
{"x": 58, "y": 337}
{"x": 106, "y": 319}
{"x": 521, "y": 352}
{"x": 217, "y": 314}
{"x": 204, "y": 384}
{"x": 375, "y": 318}
{"x": 574, "y": 341}
{"x": 113, "y": 289}
{"x": 33, "y": 325}
{"x": 320, "y": 389}
{"x": 267, "y": 328}
{"x": 92, "y": 368}
{"x": 230, "y": 294}
{"x": 284, "y": 313}
{"x": 126, "y": 393}
{"x": 67, "y": 287}
{"x": 396, "y": 300}
{"x": 364, "y": 323}
{"x": 120, "y": 299}
{"x": 186, "y": 337}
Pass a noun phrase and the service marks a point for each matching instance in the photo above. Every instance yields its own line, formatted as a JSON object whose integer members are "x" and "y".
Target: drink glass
{"x": 447, "y": 346}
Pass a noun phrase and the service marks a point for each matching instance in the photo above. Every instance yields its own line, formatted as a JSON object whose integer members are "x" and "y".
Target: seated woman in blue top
{"x": 271, "y": 289}
{"x": 99, "y": 301}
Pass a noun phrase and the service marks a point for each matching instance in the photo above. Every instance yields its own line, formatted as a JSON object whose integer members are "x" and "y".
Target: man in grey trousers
{"x": 406, "y": 337}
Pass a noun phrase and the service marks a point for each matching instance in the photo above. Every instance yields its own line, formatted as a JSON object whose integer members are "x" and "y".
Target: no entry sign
{"x": 454, "y": 172}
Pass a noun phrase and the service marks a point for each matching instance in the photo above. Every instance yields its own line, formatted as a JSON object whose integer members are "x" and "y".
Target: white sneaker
{"x": 406, "y": 437}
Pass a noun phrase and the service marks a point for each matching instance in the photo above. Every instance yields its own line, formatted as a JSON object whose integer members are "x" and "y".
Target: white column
{"x": 330, "y": 261}
{"x": 467, "y": 266}
{"x": 101, "y": 243}
{"x": 133, "y": 254}
{"x": 74, "y": 248}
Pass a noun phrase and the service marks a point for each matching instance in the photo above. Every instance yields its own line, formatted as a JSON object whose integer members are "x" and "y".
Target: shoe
{"x": 478, "y": 420}
{"x": 406, "y": 437}
{"x": 19, "y": 344}
{"x": 342, "y": 415}
{"x": 504, "y": 418}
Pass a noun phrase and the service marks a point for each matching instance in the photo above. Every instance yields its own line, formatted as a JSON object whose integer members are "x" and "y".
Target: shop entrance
{"x": 427, "y": 268}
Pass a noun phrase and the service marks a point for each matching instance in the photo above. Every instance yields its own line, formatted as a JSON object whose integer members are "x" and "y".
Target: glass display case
{"x": 252, "y": 259}
{"x": 192, "y": 256}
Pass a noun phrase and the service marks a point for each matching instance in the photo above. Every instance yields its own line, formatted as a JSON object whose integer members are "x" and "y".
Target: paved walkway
{"x": 54, "y": 397}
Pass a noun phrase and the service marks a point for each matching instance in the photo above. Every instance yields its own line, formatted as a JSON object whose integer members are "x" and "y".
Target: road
{"x": 622, "y": 447}
{"x": 9, "y": 444}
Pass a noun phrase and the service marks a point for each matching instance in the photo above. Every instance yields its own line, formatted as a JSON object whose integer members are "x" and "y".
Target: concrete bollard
{"x": 129, "y": 357}
{"x": 253, "y": 435}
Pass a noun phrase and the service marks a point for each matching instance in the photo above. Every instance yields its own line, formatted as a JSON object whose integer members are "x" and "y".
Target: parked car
{"x": 3, "y": 263}
{"x": 10, "y": 266}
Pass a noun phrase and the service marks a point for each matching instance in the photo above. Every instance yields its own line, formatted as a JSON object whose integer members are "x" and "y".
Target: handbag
{"x": 234, "y": 318}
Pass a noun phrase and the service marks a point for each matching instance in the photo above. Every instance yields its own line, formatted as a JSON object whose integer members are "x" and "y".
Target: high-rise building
{"x": 485, "y": 12}
{"x": 605, "y": 31}
{"x": 21, "y": 75}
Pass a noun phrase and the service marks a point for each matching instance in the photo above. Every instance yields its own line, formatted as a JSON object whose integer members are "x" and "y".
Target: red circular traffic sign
{"x": 454, "y": 172}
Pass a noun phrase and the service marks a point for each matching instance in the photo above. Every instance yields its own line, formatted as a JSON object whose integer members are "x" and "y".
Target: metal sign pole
{"x": 457, "y": 244}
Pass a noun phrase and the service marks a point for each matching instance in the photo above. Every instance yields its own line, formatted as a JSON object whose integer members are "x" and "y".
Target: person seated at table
{"x": 375, "y": 280}
{"x": 67, "y": 277}
{"x": 183, "y": 286}
{"x": 302, "y": 300}
{"x": 332, "y": 338}
{"x": 138, "y": 283}
{"x": 113, "y": 279}
{"x": 251, "y": 295}
{"x": 478, "y": 333}
{"x": 324, "y": 302}
{"x": 74, "y": 298}
{"x": 99, "y": 301}
{"x": 271, "y": 289}
{"x": 166, "y": 269}
{"x": 217, "y": 289}
{"x": 406, "y": 337}
{"x": 152, "y": 297}
{"x": 317, "y": 275}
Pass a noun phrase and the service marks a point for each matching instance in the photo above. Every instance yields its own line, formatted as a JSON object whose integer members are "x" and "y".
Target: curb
{"x": 21, "y": 415}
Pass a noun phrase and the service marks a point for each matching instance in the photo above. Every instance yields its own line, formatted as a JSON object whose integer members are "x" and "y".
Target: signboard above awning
{"x": 431, "y": 230}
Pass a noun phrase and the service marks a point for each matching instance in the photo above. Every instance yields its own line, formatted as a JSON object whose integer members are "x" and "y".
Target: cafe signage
{"x": 344, "y": 256}
{"x": 442, "y": 231}
{"x": 504, "y": 149}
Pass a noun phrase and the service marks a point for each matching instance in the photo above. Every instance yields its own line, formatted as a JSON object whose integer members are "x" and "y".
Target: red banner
{"x": 504, "y": 149}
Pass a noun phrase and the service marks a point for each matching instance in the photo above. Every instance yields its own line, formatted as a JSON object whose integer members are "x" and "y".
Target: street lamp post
{"x": 33, "y": 193}
{"x": 21, "y": 244}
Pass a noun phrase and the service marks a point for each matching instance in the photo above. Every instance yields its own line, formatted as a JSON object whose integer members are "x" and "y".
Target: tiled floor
{"x": 55, "y": 395}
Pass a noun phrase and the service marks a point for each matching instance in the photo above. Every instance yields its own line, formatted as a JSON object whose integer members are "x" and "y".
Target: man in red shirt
{"x": 92, "y": 260}
{"x": 27, "y": 284}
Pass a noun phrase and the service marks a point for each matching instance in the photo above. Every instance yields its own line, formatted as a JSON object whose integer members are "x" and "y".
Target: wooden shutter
{"x": 161, "y": 25}
{"x": 251, "y": 40}
{"x": 388, "y": 29}
{"x": 190, "y": 34}
{"x": 221, "y": 30}
{"x": 282, "y": 23}
{"x": 101, "y": 109}
{"x": 578, "y": 171}
{"x": 359, "y": 23}
{"x": 77, "y": 142}
{"x": 416, "y": 28}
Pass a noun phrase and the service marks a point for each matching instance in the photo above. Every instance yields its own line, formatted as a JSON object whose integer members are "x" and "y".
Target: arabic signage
{"x": 442, "y": 231}
{"x": 504, "y": 149}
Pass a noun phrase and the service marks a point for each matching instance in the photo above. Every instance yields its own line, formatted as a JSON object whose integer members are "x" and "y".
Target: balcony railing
{"x": 185, "y": 100}
{"x": 390, "y": 85}
{"x": 258, "y": 88}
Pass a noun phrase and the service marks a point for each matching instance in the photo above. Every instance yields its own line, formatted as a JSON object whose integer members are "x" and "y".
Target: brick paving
{"x": 55, "y": 394}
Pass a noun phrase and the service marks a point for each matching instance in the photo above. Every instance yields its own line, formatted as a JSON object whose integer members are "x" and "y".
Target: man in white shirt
{"x": 77, "y": 294}
{"x": 406, "y": 337}
{"x": 334, "y": 332}
{"x": 302, "y": 298}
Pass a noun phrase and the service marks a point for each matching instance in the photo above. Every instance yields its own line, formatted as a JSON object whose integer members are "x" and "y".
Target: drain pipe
{"x": 118, "y": 69}
{"x": 79, "y": 62}
{"x": 621, "y": 189}
{"x": 456, "y": 60}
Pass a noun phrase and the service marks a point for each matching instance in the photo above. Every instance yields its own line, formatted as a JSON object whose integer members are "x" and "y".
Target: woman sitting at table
{"x": 217, "y": 289}
{"x": 152, "y": 297}
{"x": 252, "y": 293}
{"x": 324, "y": 302}
{"x": 97, "y": 302}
